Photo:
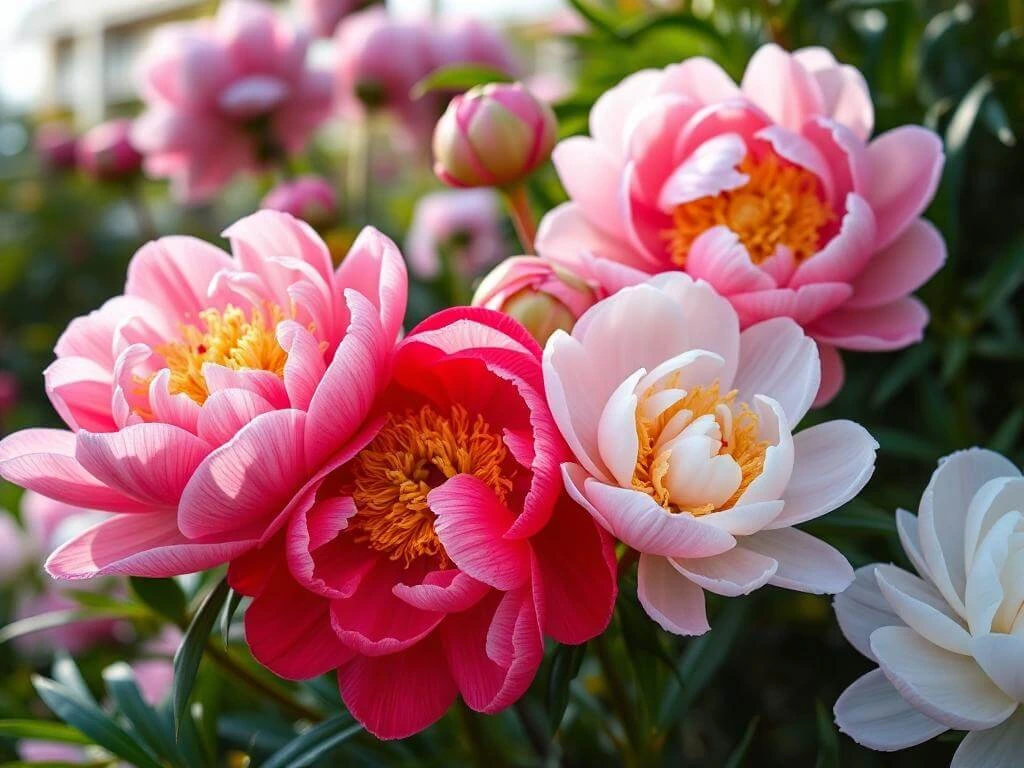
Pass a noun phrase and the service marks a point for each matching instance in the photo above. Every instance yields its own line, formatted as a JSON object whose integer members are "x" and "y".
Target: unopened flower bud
{"x": 106, "y": 152}
{"x": 309, "y": 198}
{"x": 493, "y": 136}
{"x": 56, "y": 145}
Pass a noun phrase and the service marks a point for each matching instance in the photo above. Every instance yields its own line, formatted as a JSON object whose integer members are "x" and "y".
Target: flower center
{"x": 699, "y": 451}
{"x": 781, "y": 204}
{"x": 412, "y": 454}
{"x": 227, "y": 338}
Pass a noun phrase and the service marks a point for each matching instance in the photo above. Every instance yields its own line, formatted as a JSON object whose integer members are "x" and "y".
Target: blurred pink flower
{"x": 681, "y": 427}
{"x": 216, "y": 383}
{"x": 322, "y": 17}
{"x": 310, "y": 198}
{"x": 56, "y": 144}
{"x": 492, "y": 136}
{"x": 769, "y": 190}
{"x": 14, "y": 557}
{"x": 226, "y": 95}
{"x": 463, "y": 225}
{"x": 8, "y": 393}
{"x": 548, "y": 294}
{"x": 107, "y": 152}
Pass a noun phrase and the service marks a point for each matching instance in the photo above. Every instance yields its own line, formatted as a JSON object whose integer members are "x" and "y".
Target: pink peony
{"x": 56, "y": 145}
{"x": 310, "y": 198}
{"x": 225, "y": 96}
{"x": 681, "y": 427}
{"x": 432, "y": 557}
{"x": 548, "y": 294}
{"x": 106, "y": 152}
{"x": 214, "y": 380}
{"x": 322, "y": 17}
{"x": 769, "y": 191}
{"x": 462, "y": 225}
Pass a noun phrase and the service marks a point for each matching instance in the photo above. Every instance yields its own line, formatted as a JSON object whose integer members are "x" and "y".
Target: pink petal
{"x": 846, "y": 254}
{"x": 179, "y": 409}
{"x": 844, "y": 92}
{"x": 400, "y": 694}
{"x": 805, "y": 563}
{"x": 653, "y": 129}
{"x": 672, "y": 600}
{"x": 905, "y": 166}
{"x": 374, "y": 267}
{"x": 138, "y": 545}
{"x": 901, "y": 268}
{"x": 890, "y": 326}
{"x": 305, "y": 365}
{"x": 591, "y": 176}
{"x": 448, "y": 591}
{"x": 801, "y": 152}
{"x": 267, "y": 385}
{"x": 244, "y": 483}
{"x": 576, "y": 563}
{"x": 845, "y": 154}
{"x": 289, "y": 631}
{"x": 776, "y": 82}
{"x": 94, "y": 336}
{"x": 565, "y": 229}
{"x": 803, "y": 304}
{"x": 709, "y": 170}
{"x": 737, "y": 572}
{"x": 43, "y": 460}
{"x": 174, "y": 273}
{"x": 471, "y": 523}
{"x": 150, "y": 462}
{"x": 225, "y": 413}
{"x": 320, "y": 557}
{"x": 737, "y": 116}
{"x": 832, "y": 374}
{"x": 700, "y": 79}
{"x": 81, "y": 391}
{"x": 611, "y": 112}
{"x": 719, "y": 257}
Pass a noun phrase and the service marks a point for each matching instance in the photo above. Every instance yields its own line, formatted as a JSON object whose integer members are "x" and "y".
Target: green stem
{"x": 522, "y": 217}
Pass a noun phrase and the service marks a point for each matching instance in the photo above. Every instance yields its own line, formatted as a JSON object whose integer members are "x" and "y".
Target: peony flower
{"x": 492, "y": 136}
{"x": 310, "y": 198}
{"x": 949, "y": 642}
{"x": 323, "y": 16}
{"x": 770, "y": 191}
{"x": 214, "y": 378}
{"x": 430, "y": 559}
{"x": 681, "y": 428}
{"x": 106, "y": 152}
{"x": 548, "y": 294}
{"x": 56, "y": 145}
{"x": 225, "y": 96}
{"x": 461, "y": 225}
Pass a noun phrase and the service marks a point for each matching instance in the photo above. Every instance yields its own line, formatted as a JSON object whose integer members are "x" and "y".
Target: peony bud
{"x": 56, "y": 145}
{"x": 540, "y": 294}
{"x": 106, "y": 152}
{"x": 493, "y": 136}
{"x": 309, "y": 198}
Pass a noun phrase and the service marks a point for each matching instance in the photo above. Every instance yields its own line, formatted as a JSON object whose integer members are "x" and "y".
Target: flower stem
{"x": 272, "y": 691}
{"x": 522, "y": 217}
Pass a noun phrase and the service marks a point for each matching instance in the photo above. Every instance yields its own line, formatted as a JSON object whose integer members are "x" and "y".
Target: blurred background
{"x": 758, "y": 690}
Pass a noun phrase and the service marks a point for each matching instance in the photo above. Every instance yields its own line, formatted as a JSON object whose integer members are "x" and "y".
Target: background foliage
{"x": 758, "y": 689}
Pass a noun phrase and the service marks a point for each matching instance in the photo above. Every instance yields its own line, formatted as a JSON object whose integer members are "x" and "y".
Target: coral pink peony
{"x": 949, "y": 642}
{"x": 214, "y": 380}
{"x": 770, "y": 191}
{"x": 107, "y": 153}
{"x": 310, "y": 198}
{"x": 431, "y": 558}
{"x": 548, "y": 294}
{"x": 681, "y": 428}
{"x": 463, "y": 226}
{"x": 225, "y": 96}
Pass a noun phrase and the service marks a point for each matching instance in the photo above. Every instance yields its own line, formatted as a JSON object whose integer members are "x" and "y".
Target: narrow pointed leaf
{"x": 314, "y": 743}
{"x": 190, "y": 652}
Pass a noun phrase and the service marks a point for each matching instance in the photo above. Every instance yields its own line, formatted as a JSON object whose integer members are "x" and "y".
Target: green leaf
{"x": 154, "y": 732}
{"x": 828, "y": 739}
{"x": 1001, "y": 281}
{"x": 314, "y": 743}
{"x": 87, "y": 717}
{"x": 738, "y": 757}
{"x": 910, "y": 364}
{"x": 1006, "y": 437}
{"x": 565, "y": 666}
{"x": 162, "y": 595}
{"x": 190, "y": 652}
{"x": 228, "y": 614}
{"x": 458, "y": 77}
{"x": 43, "y": 730}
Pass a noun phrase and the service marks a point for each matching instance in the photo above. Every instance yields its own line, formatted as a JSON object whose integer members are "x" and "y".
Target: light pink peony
{"x": 770, "y": 191}
{"x": 463, "y": 225}
{"x": 322, "y": 17}
{"x": 430, "y": 560}
{"x": 214, "y": 380}
{"x": 225, "y": 96}
{"x": 106, "y": 152}
{"x": 548, "y": 294}
{"x": 681, "y": 427}
{"x": 310, "y": 198}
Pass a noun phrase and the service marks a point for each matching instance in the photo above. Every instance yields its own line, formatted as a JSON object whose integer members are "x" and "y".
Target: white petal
{"x": 693, "y": 368}
{"x": 736, "y": 572}
{"x": 872, "y": 713}
{"x": 745, "y": 519}
{"x": 710, "y": 169}
{"x": 998, "y": 747}
{"x": 832, "y": 463}
{"x": 946, "y": 686}
{"x": 697, "y": 475}
{"x": 923, "y": 609}
{"x": 806, "y": 564}
{"x": 942, "y": 515}
{"x": 906, "y": 528}
{"x": 1002, "y": 658}
{"x": 778, "y": 459}
{"x": 862, "y": 609}
{"x": 778, "y": 360}
{"x": 669, "y": 598}
{"x": 617, "y": 437}
{"x": 993, "y": 500}
{"x": 984, "y": 592}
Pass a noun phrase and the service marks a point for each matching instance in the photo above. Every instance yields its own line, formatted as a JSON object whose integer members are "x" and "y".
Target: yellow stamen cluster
{"x": 412, "y": 454}
{"x": 740, "y": 441}
{"x": 781, "y": 204}
{"x": 228, "y": 338}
